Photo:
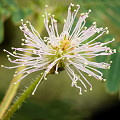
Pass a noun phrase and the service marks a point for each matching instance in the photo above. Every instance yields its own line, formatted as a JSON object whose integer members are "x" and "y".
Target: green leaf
{"x": 113, "y": 80}
{"x": 27, "y": 11}
{"x": 1, "y": 30}
{"x": 10, "y": 2}
{"x": 105, "y": 59}
{"x": 1, "y": 4}
{"x": 18, "y": 15}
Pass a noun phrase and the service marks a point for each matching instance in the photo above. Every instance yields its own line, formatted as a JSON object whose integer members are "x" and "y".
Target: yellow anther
{"x": 91, "y": 88}
{"x": 80, "y": 93}
{"x": 2, "y": 65}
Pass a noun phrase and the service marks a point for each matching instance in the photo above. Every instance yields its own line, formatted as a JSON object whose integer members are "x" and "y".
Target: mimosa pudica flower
{"x": 70, "y": 51}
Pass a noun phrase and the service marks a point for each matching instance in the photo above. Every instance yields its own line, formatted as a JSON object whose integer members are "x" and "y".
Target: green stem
{"x": 22, "y": 98}
{"x": 11, "y": 91}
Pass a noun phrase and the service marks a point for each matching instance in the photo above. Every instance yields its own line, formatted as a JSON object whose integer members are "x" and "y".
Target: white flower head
{"x": 59, "y": 52}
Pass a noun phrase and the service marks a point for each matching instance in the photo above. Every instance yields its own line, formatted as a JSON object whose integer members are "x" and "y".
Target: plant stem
{"x": 11, "y": 91}
{"x": 22, "y": 98}
{"x": 8, "y": 97}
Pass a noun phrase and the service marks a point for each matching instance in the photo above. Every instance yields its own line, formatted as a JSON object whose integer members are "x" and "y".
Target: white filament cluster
{"x": 49, "y": 52}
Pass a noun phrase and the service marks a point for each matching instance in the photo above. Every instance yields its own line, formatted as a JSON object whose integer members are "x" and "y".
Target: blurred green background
{"x": 55, "y": 99}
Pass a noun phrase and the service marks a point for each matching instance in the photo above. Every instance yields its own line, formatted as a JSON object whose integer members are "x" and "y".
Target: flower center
{"x": 65, "y": 44}
{"x": 64, "y": 47}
